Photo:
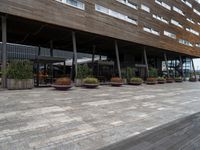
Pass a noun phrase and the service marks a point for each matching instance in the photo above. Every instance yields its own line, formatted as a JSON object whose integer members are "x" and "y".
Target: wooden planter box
{"x": 14, "y": 84}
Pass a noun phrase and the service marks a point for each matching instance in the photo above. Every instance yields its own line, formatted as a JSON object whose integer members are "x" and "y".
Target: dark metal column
{"x": 181, "y": 64}
{"x": 146, "y": 62}
{"x": 4, "y": 52}
{"x": 117, "y": 57}
{"x": 193, "y": 69}
{"x": 166, "y": 64}
{"x": 74, "y": 53}
{"x": 51, "y": 48}
{"x": 93, "y": 55}
{"x": 38, "y": 68}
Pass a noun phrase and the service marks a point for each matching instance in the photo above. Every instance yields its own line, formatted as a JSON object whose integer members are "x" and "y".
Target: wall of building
{"x": 89, "y": 20}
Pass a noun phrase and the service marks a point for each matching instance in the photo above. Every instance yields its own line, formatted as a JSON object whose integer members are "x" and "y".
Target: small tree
{"x": 83, "y": 71}
{"x": 153, "y": 72}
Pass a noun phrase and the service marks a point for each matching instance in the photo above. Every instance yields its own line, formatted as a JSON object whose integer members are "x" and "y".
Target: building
{"x": 139, "y": 33}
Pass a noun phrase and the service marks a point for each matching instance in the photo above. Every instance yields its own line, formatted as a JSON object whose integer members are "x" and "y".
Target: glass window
{"x": 115, "y": 14}
{"x": 169, "y": 34}
{"x": 128, "y": 3}
{"x": 145, "y": 8}
{"x": 150, "y": 30}
{"x": 73, "y": 3}
{"x": 163, "y": 4}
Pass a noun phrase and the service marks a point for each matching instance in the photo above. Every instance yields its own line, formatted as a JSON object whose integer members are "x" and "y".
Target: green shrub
{"x": 178, "y": 78}
{"x": 136, "y": 80}
{"x": 161, "y": 79}
{"x": 83, "y": 71}
{"x": 19, "y": 69}
{"x": 90, "y": 80}
{"x": 153, "y": 72}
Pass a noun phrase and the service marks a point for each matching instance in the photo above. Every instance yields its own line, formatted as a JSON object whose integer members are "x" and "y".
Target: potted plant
{"x": 152, "y": 79}
{"x": 62, "y": 84}
{"x": 20, "y": 75}
{"x": 136, "y": 81}
{"x": 169, "y": 80}
{"x": 90, "y": 82}
{"x": 178, "y": 79}
{"x": 192, "y": 79}
{"x": 116, "y": 81}
{"x": 161, "y": 80}
{"x": 83, "y": 71}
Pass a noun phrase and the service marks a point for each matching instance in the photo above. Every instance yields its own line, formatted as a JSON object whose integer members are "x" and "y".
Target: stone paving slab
{"x": 82, "y": 119}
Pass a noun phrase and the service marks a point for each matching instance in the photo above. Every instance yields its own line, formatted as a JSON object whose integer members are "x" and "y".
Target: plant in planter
{"x": 153, "y": 73}
{"x": 90, "y": 82}
{"x": 169, "y": 80}
{"x": 83, "y": 71}
{"x": 62, "y": 84}
{"x": 116, "y": 81}
{"x": 192, "y": 79}
{"x": 161, "y": 80}
{"x": 178, "y": 79}
{"x": 136, "y": 81}
{"x": 20, "y": 75}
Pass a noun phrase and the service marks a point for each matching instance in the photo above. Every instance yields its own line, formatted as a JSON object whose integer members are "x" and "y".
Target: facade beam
{"x": 117, "y": 57}
{"x": 4, "y": 51}
{"x": 193, "y": 69}
{"x": 74, "y": 63}
{"x": 146, "y": 62}
{"x": 166, "y": 64}
{"x": 181, "y": 64}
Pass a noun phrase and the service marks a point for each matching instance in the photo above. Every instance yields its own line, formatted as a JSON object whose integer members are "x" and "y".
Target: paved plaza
{"x": 89, "y": 119}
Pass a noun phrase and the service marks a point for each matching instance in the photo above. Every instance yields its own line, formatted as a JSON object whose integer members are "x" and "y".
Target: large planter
{"x": 169, "y": 80}
{"x": 62, "y": 87}
{"x": 151, "y": 81}
{"x": 178, "y": 80}
{"x": 135, "y": 83}
{"x": 161, "y": 81}
{"x": 90, "y": 86}
{"x": 78, "y": 82}
{"x": 192, "y": 79}
{"x": 15, "y": 84}
{"x": 116, "y": 84}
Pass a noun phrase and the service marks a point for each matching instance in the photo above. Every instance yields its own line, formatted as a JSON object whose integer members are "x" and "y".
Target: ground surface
{"x": 181, "y": 134}
{"x": 82, "y": 119}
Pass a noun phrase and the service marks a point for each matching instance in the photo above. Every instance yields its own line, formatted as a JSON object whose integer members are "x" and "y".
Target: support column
{"x": 166, "y": 64}
{"x": 146, "y": 62}
{"x": 93, "y": 55}
{"x": 181, "y": 64}
{"x": 4, "y": 52}
{"x": 193, "y": 69}
{"x": 38, "y": 68}
{"x": 117, "y": 57}
{"x": 74, "y": 53}
{"x": 51, "y": 65}
{"x": 51, "y": 48}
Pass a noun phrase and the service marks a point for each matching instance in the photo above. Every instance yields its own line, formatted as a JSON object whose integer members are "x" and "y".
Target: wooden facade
{"x": 89, "y": 20}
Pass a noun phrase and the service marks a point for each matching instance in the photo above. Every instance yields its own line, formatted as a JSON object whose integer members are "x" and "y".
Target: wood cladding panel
{"x": 53, "y": 12}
